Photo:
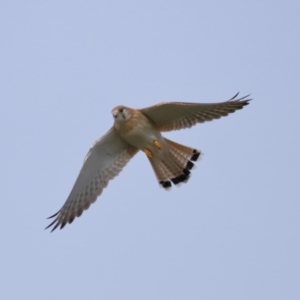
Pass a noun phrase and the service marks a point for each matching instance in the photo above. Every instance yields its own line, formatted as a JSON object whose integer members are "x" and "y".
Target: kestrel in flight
{"x": 140, "y": 129}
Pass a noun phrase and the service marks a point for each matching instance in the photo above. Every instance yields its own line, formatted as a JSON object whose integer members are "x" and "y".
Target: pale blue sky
{"x": 232, "y": 232}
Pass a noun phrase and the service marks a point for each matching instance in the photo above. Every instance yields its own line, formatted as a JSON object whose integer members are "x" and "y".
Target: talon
{"x": 148, "y": 152}
{"x": 157, "y": 144}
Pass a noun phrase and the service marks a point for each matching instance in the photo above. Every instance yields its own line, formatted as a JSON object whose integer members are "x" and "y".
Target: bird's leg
{"x": 157, "y": 144}
{"x": 148, "y": 152}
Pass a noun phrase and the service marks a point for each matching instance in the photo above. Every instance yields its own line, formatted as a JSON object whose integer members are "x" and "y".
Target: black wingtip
{"x": 53, "y": 215}
{"x": 63, "y": 225}
{"x": 56, "y": 225}
{"x": 246, "y": 101}
{"x": 234, "y": 96}
{"x": 54, "y": 221}
{"x": 51, "y": 225}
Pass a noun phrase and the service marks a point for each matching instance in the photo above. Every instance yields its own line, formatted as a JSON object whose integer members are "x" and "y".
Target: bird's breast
{"x": 140, "y": 133}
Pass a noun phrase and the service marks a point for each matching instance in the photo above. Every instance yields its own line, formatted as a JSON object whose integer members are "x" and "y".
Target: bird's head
{"x": 121, "y": 113}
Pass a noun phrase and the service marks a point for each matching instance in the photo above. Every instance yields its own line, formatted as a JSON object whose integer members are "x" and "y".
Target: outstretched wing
{"x": 104, "y": 161}
{"x": 169, "y": 116}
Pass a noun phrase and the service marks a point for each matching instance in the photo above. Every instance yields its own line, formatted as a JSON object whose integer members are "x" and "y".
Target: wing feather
{"x": 169, "y": 116}
{"x": 105, "y": 159}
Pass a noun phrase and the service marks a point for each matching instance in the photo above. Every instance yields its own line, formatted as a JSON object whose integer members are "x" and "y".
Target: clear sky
{"x": 232, "y": 232}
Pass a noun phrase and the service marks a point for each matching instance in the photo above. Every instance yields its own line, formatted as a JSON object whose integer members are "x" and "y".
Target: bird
{"x": 141, "y": 130}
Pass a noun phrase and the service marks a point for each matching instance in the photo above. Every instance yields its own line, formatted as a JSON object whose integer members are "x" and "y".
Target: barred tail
{"x": 175, "y": 168}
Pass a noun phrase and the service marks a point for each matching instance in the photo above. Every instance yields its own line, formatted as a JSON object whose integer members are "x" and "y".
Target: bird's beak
{"x": 115, "y": 113}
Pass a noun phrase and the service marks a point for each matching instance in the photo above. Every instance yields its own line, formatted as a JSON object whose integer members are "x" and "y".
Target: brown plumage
{"x": 175, "y": 168}
{"x": 135, "y": 130}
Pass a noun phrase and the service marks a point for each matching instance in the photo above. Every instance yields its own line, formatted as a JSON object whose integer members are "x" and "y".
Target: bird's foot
{"x": 148, "y": 152}
{"x": 157, "y": 144}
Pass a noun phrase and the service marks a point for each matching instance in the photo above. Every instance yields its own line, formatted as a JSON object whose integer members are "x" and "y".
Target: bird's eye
{"x": 121, "y": 110}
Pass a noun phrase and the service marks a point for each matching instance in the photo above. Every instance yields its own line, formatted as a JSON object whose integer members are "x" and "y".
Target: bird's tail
{"x": 175, "y": 168}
